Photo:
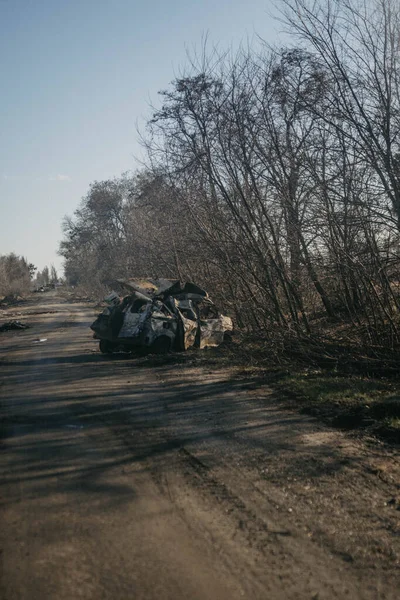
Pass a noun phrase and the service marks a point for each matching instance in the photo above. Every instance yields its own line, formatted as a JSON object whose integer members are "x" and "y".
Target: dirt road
{"x": 127, "y": 478}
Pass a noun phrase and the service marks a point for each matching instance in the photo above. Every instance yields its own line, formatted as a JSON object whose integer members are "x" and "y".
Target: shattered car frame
{"x": 160, "y": 316}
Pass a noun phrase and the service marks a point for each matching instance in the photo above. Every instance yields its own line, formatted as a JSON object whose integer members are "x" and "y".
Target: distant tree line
{"x": 16, "y": 274}
{"x": 18, "y": 277}
{"x": 273, "y": 179}
{"x": 46, "y": 277}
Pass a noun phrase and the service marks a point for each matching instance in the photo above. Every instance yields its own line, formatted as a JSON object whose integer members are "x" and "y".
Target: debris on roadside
{"x": 159, "y": 316}
{"x": 13, "y": 325}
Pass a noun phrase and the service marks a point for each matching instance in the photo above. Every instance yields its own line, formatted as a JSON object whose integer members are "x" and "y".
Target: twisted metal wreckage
{"x": 160, "y": 316}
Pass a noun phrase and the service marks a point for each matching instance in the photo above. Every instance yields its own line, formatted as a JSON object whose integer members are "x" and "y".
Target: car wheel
{"x": 227, "y": 339}
{"x": 162, "y": 345}
{"x": 105, "y": 347}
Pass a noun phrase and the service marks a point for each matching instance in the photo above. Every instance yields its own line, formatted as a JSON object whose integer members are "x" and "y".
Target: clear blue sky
{"x": 76, "y": 76}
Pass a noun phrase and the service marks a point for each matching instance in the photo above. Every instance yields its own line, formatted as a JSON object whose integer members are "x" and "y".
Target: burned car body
{"x": 160, "y": 316}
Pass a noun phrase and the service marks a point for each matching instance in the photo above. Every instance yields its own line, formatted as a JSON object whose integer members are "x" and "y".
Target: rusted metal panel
{"x": 212, "y": 331}
{"x": 131, "y": 324}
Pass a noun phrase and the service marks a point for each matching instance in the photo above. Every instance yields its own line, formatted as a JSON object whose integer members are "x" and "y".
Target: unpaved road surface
{"x": 126, "y": 478}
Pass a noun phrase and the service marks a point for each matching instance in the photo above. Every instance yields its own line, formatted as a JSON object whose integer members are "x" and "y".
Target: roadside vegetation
{"x": 18, "y": 277}
{"x": 355, "y": 397}
{"x": 273, "y": 180}
{"x": 366, "y": 404}
{"x": 15, "y": 276}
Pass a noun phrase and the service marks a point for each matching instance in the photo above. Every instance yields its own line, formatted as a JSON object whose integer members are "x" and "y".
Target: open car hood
{"x": 153, "y": 288}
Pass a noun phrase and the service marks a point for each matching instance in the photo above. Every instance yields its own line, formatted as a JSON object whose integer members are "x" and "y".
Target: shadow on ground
{"x": 63, "y": 409}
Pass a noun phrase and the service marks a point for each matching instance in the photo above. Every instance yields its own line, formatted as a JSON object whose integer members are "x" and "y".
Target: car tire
{"x": 228, "y": 339}
{"x": 105, "y": 347}
{"x": 162, "y": 345}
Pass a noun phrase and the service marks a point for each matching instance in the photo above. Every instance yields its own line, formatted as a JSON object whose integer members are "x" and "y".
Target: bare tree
{"x": 358, "y": 43}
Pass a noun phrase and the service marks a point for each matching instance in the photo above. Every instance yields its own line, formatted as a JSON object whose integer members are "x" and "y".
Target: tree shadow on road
{"x": 76, "y": 419}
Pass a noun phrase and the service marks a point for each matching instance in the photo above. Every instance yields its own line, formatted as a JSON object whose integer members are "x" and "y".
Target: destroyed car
{"x": 160, "y": 316}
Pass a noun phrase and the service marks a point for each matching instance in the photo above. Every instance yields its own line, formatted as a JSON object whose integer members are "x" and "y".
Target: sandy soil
{"x": 138, "y": 478}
